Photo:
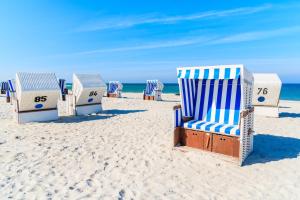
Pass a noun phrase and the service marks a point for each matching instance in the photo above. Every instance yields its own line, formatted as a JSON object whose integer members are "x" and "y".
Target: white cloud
{"x": 126, "y": 22}
{"x": 256, "y": 35}
{"x": 207, "y": 40}
{"x": 154, "y": 45}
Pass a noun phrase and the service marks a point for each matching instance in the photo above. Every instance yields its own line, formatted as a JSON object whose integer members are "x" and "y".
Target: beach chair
{"x": 3, "y": 87}
{"x": 216, "y": 112}
{"x": 153, "y": 90}
{"x": 10, "y": 93}
{"x": 87, "y": 93}
{"x": 114, "y": 89}
{"x": 5, "y": 90}
{"x": 36, "y": 97}
{"x": 62, "y": 86}
{"x": 266, "y": 94}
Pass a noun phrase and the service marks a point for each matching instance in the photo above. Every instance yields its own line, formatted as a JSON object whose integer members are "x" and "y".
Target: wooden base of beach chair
{"x": 222, "y": 144}
{"x": 7, "y": 99}
{"x": 148, "y": 97}
{"x": 112, "y": 95}
{"x": 227, "y": 145}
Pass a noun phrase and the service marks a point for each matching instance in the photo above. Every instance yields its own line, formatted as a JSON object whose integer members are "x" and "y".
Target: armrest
{"x": 177, "y": 116}
{"x": 186, "y": 119}
{"x": 177, "y": 107}
{"x": 244, "y": 113}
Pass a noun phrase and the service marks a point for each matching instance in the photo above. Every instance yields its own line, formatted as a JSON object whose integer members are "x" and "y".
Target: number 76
{"x": 262, "y": 90}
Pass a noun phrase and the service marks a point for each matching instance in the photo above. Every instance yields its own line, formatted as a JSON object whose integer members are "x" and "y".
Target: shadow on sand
{"x": 291, "y": 115}
{"x": 100, "y": 116}
{"x": 268, "y": 148}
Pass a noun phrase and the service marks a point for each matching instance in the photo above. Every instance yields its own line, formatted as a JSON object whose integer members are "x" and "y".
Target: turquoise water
{"x": 288, "y": 91}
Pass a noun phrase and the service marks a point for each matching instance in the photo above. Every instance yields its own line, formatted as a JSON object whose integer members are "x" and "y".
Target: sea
{"x": 289, "y": 91}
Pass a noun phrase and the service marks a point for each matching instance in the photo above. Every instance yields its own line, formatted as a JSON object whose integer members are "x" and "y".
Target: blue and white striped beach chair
{"x": 10, "y": 90}
{"x": 114, "y": 89}
{"x": 3, "y": 87}
{"x": 216, "y": 112}
{"x": 153, "y": 90}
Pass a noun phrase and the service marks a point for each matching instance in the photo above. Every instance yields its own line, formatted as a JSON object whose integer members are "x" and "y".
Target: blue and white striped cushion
{"x": 226, "y": 129}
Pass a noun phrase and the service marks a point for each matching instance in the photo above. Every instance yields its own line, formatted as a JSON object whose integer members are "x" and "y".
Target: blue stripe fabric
{"x": 184, "y": 97}
{"x": 219, "y": 98}
{"x": 179, "y": 74}
{"x": 237, "y": 106}
{"x": 11, "y": 86}
{"x": 206, "y": 73}
{"x": 189, "y": 96}
{"x": 187, "y": 74}
{"x": 210, "y": 101}
{"x": 227, "y": 73}
{"x": 237, "y": 73}
{"x": 228, "y": 101}
{"x": 216, "y": 73}
{"x": 196, "y": 74}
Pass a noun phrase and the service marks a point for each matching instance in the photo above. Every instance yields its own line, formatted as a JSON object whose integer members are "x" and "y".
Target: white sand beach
{"x": 126, "y": 153}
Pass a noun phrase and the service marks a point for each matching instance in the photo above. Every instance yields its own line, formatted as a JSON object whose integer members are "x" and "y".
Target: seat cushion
{"x": 225, "y": 129}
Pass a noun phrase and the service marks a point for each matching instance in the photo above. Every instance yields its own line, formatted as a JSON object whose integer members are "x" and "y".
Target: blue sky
{"x": 133, "y": 41}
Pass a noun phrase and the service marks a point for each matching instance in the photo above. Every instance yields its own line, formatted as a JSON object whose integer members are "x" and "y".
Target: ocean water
{"x": 288, "y": 91}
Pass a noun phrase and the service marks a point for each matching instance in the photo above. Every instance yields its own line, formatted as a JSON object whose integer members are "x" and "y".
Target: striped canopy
{"x": 210, "y": 72}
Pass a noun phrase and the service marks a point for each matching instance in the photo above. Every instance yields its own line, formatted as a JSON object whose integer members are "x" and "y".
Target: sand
{"x": 126, "y": 153}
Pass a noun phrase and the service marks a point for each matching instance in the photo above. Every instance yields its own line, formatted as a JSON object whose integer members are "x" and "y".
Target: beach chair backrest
{"x": 152, "y": 85}
{"x": 212, "y": 94}
{"x": 62, "y": 85}
{"x": 267, "y": 88}
{"x": 88, "y": 88}
{"x": 11, "y": 85}
{"x": 114, "y": 86}
{"x": 36, "y": 91}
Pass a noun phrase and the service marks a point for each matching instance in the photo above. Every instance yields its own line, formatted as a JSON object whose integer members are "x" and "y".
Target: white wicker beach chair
{"x": 36, "y": 97}
{"x": 87, "y": 93}
{"x": 114, "y": 89}
{"x": 153, "y": 90}
{"x": 216, "y": 112}
{"x": 266, "y": 94}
